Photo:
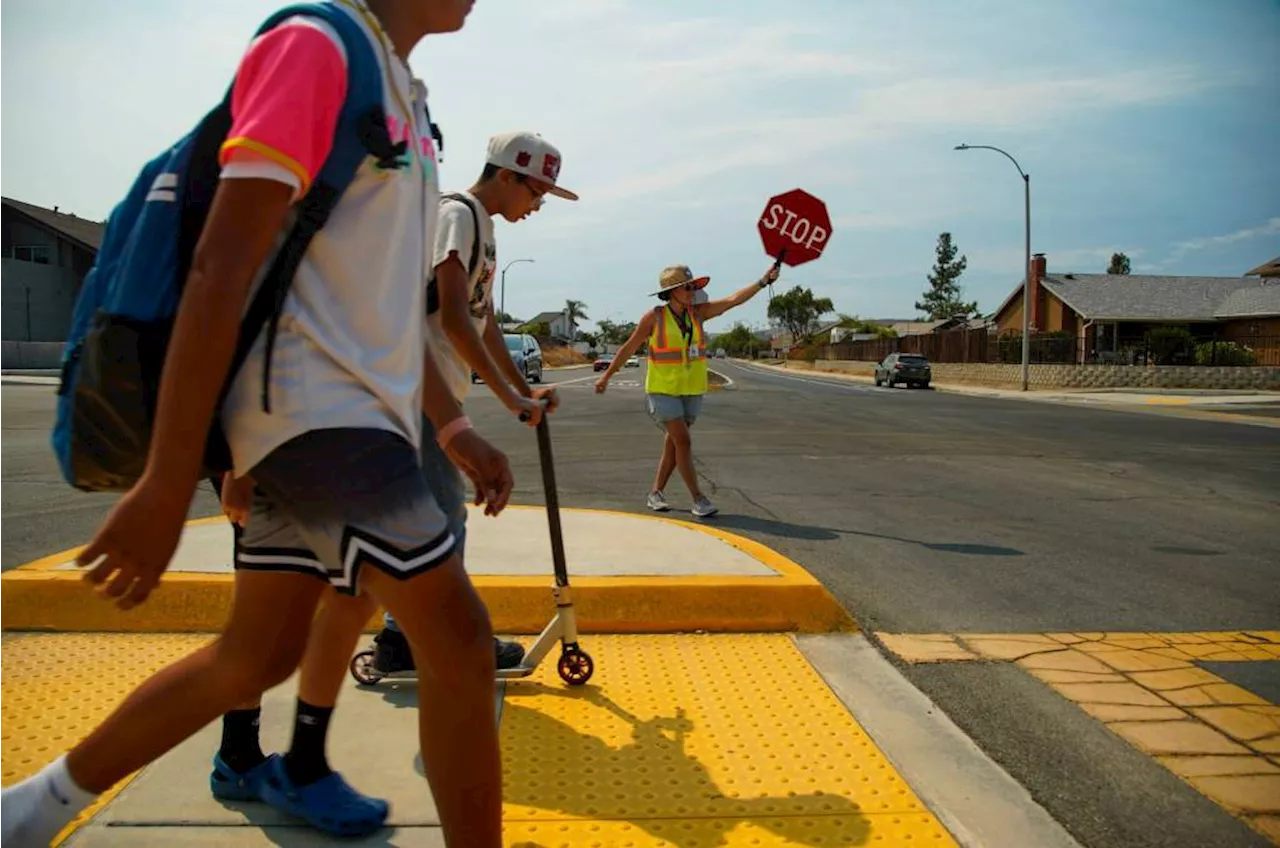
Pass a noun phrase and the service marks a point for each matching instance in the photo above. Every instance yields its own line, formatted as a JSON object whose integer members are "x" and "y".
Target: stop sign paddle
{"x": 794, "y": 227}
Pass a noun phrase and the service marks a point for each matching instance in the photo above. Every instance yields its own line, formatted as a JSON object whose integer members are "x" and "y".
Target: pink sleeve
{"x": 286, "y": 98}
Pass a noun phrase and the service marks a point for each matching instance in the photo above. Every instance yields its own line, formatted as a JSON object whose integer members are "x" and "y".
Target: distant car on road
{"x": 633, "y": 362}
{"x": 526, "y": 353}
{"x": 602, "y": 363}
{"x": 910, "y": 368}
{"x": 720, "y": 354}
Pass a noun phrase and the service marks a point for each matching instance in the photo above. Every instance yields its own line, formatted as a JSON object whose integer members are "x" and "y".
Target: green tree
{"x": 541, "y": 329}
{"x": 798, "y": 311}
{"x": 943, "y": 299}
{"x": 611, "y": 333}
{"x": 862, "y": 325}
{"x": 504, "y": 317}
{"x": 576, "y": 311}
{"x": 740, "y": 341}
{"x": 1119, "y": 264}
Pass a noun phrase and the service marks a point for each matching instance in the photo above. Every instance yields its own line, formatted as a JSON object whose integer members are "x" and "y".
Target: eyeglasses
{"x": 538, "y": 196}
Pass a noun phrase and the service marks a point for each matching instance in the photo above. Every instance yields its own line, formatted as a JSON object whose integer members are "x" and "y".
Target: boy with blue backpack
{"x": 257, "y": 306}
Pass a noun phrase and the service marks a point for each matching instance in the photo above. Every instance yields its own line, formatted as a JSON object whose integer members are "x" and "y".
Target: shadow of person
{"x": 641, "y": 771}
{"x": 807, "y": 532}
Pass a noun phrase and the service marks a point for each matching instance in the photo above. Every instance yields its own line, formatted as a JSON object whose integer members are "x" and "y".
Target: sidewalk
{"x": 630, "y": 574}
{"x": 679, "y": 739}
{"x": 1263, "y": 405}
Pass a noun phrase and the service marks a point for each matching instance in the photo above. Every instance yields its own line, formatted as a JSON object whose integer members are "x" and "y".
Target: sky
{"x": 1147, "y": 126}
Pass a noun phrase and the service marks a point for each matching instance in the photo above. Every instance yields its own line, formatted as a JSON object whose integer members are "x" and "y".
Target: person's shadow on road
{"x": 807, "y": 532}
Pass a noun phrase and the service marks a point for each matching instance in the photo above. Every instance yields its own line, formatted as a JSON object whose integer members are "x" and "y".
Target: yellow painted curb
{"x": 35, "y": 597}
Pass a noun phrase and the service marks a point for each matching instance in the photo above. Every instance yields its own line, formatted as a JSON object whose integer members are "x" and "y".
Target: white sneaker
{"x": 704, "y": 508}
{"x": 658, "y": 502}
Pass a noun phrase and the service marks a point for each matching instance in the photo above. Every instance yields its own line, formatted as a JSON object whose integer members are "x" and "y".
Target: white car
{"x": 633, "y": 362}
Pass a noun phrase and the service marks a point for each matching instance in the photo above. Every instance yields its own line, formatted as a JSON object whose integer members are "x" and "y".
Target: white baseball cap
{"x": 529, "y": 154}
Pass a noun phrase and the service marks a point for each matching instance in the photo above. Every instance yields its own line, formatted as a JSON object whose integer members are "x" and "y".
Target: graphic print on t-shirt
{"x": 480, "y": 294}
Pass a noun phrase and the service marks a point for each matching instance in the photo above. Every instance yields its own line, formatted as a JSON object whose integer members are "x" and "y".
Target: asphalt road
{"x": 923, "y": 512}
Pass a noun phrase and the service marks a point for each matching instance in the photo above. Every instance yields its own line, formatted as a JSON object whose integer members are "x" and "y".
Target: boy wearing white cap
{"x": 462, "y": 334}
{"x": 521, "y": 168}
{"x": 677, "y": 374}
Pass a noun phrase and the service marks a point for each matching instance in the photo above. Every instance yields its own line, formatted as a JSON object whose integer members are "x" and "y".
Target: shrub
{"x": 1170, "y": 345}
{"x": 1224, "y": 353}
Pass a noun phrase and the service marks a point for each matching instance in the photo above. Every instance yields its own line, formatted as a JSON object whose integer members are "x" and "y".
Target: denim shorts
{"x": 330, "y": 502}
{"x": 664, "y": 408}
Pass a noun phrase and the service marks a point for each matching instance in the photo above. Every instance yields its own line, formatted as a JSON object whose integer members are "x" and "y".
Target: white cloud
{"x": 1184, "y": 248}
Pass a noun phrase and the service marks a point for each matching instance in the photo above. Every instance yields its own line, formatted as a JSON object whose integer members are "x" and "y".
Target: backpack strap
{"x": 361, "y": 131}
{"x": 433, "y": 289}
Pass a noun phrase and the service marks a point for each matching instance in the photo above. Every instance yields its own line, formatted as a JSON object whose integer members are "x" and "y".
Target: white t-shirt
{"x": 455, "y": 234}
{"x": 348, "y": 352}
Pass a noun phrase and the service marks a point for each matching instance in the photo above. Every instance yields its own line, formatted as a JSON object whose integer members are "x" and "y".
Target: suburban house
{"x": 1110, "y": 315}
{"x": 1266, "y": 269}
{"x": 47, "y": 254}
{"x": 561, "y": 326}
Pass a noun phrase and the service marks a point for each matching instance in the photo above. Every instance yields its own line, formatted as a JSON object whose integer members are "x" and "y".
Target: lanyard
{"x": 685, "y": 323}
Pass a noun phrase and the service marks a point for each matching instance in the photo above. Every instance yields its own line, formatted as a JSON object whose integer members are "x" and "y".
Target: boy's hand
{"x": 237, "y": 495}
{"x": 602, "y": 384}
{"x": 771, "y": 276}
{"x": 528, "y": 410}
{"x": 488, "y": 468}
{"x": 136, "y": 542}
{"x": 549, "y": 396}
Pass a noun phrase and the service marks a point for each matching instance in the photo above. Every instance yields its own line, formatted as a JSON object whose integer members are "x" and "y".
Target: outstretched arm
{"x": 707, "y": 311}
{"x": 643, "y": 330}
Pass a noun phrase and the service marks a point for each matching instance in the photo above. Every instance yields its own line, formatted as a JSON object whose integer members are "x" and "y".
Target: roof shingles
{"x": 1120, "y": 297}
{"x": 88, "y": 233}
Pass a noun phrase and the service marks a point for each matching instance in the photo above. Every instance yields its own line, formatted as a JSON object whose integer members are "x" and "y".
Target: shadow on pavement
{"x": 811, "y": 533}
{"x": 657, "y": 750}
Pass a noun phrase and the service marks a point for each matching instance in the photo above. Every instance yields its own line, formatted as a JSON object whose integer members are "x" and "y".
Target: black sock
{"x": 305, "y": 761}
{"x": 240, "y": 749}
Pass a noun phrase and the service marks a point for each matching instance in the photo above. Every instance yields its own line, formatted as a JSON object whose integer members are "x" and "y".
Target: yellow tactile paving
{"x": 683, "y": 741}
{"x": 58, "y": 687}
{"x": 699, "y": 741}
{"x": 1146, "y": 687}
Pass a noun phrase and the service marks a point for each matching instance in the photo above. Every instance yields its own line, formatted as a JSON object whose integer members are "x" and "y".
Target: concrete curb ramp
{"x": 630, "y": 573}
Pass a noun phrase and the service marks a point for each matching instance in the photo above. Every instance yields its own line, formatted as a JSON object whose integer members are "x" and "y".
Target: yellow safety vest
{"x": 677, "y": 362}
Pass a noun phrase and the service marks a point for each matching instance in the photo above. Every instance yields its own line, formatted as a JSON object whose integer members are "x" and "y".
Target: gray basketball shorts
{"x": 331, "y": 502}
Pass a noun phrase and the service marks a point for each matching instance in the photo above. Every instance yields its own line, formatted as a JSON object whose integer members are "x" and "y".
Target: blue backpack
{"x": 124, "y": 314}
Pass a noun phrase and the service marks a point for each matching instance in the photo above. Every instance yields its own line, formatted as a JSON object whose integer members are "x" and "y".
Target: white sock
{"x": 37, "y": 809}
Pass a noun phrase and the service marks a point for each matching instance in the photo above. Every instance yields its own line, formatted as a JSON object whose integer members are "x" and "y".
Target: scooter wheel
{"x": 362, "y": 669}
{"x": 575, "y": 667}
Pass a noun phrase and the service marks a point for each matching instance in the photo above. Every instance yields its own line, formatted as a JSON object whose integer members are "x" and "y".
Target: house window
{"x": 37, "y": 253}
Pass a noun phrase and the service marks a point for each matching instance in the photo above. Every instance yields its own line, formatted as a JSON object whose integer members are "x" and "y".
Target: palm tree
{"x": 574, "y": 310}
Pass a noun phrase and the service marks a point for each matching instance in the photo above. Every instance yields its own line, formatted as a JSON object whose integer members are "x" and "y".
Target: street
{"x": 923, "y": 512}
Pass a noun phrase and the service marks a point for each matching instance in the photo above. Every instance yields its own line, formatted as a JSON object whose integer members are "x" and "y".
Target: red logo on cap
{"x": 522, "y": 158}
{"x": 550, "y": 166}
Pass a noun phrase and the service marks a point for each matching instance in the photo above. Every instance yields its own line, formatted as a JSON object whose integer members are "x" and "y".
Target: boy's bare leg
{"x": 334, "y": 635}
{"x": 678, "y": 436}
{"x": 261, "y": 646}
{"x": 666, "y": 465}
{"x": 451, "y": 637}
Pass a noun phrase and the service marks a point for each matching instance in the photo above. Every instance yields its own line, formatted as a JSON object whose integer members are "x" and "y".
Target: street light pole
{"x": 502, "y": 296}
{"x": 1026, "y": 263}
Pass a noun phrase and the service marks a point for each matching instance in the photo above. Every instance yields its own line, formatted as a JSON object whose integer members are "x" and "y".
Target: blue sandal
{"x": 330, "y": 804}
{"x": 227, "y": 784}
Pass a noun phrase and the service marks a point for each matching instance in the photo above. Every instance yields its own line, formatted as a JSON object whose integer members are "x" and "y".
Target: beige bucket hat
{"x": 675, "y": 276}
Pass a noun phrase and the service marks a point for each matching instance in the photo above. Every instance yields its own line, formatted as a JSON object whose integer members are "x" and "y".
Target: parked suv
{"x": 910, "y": 368}
{"x": 526, "y": 353}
